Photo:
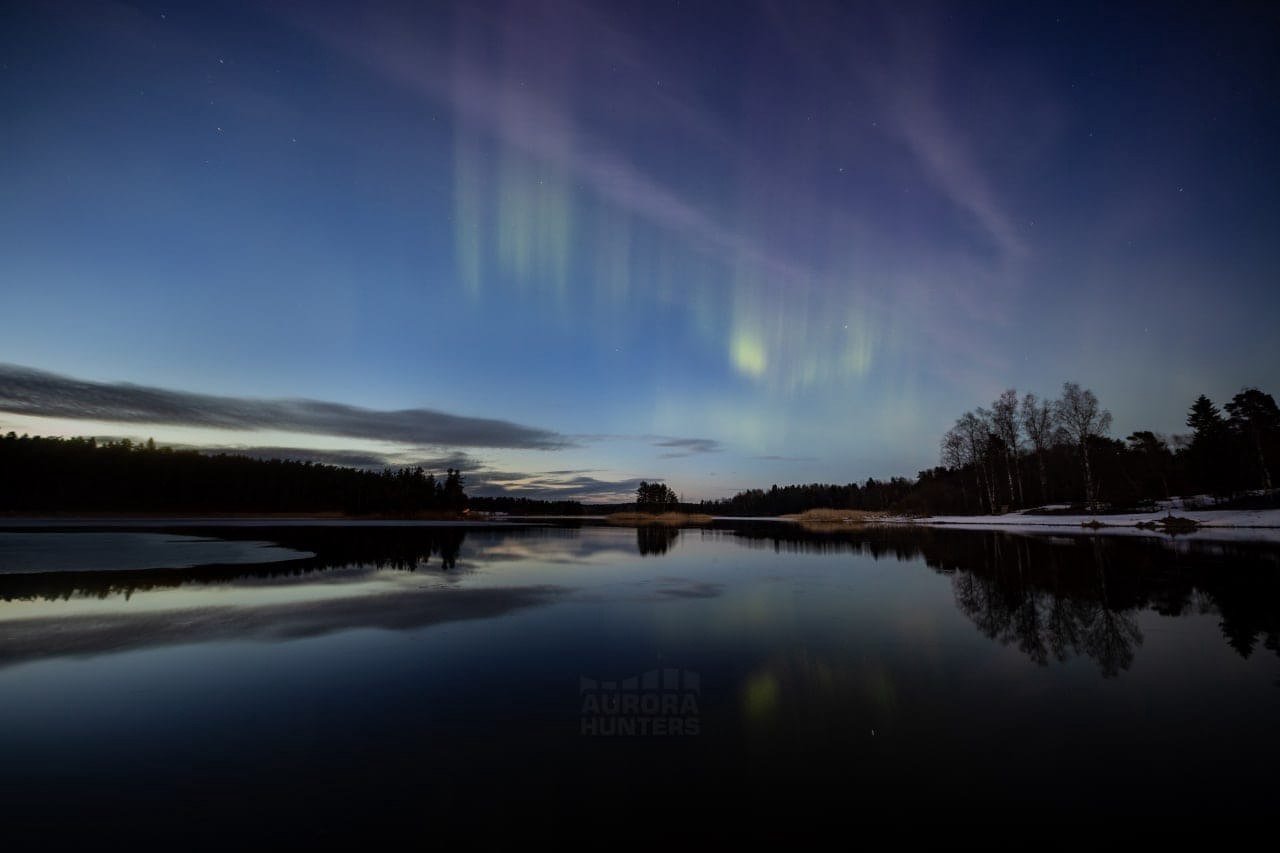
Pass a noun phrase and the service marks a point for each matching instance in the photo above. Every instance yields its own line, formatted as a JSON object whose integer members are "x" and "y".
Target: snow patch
{"x": 1256, "y": 525}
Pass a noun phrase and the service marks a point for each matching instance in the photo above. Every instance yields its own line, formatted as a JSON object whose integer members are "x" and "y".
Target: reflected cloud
{"x": 1054, "y": 598}
{"x": 78, "y": 636}
{"x": 109, "y": 563}
{"x": 686, "y": 588}
{"x": 554, "y": 545}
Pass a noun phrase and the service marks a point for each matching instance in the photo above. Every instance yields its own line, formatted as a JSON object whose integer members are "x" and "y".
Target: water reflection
{"x": 798, "y": 701}
{"x": 395, "y": 609}
{"x": 655, "y": 539}
{"x": 1053, "y": 598}
{"x": 1044, "y": 617}
{"x": 1057, "y": 597}
{"x": 369, "y": 549}
{"x": 885, "y": 670}
{"x": 82, "y": 551}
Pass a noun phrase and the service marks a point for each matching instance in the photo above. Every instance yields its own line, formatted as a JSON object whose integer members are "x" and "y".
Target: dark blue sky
{"x": 722, "y": 244}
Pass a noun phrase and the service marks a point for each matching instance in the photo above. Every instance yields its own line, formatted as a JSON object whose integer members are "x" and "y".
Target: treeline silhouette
{"x": 656, "y": 497}
{"x": 47, "y": 474}
{"x": 1028, "y": 452}
{"x": 1022, "y": 452}
{"x": 524, "y": 506}
{"x": 782, "y": 500}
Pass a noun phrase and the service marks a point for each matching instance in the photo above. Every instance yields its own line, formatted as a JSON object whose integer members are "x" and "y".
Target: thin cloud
{"x": 687, "y": 446}
{"x": 370, "y": 459}
{"x": 460, "y": 461}
{"x": 776, "y": 458}
{"x": 911, "y": 86}
{"x": 344, "y": 458}
{"x": 26, "y": 391}
{"x": 677, "y": 447}
{"x": 537, "y": 126}
{"x": 543, "y": 487}
{"x": 350, "y": 458}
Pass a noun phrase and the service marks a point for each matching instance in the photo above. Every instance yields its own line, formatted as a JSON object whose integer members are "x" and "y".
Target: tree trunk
{"x": 1262, "y": 463}
{"x": 1088, "y": 477}
{"x": 1017, "y": 476}
{"x": 1044, "y": 479}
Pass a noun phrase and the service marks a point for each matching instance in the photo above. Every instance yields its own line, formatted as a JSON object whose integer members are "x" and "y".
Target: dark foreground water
{"x": 514, "y": 680}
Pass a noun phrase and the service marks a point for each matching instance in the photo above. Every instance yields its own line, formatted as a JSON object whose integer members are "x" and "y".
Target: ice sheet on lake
{"x": 25, "y": 553}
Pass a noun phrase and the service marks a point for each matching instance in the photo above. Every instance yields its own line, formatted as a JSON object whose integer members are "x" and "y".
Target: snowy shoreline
{"x": 1213, "y": 524}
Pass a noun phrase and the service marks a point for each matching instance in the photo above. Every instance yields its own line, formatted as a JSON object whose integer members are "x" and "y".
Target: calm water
{"x": 368, "y": 677}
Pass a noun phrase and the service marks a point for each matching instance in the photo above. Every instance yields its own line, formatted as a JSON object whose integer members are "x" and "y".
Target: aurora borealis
{"x": 720, "y": 244}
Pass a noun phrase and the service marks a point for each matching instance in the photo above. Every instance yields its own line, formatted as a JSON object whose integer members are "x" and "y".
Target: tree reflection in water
{"x": 373, "y": 548}
{"x": 655, "y": 539}
{"x": 1057, "y": 597}
{"x": 1053, "y": 597}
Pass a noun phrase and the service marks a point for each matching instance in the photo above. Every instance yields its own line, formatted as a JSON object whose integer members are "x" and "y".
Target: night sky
{"x": 566, "y": 246}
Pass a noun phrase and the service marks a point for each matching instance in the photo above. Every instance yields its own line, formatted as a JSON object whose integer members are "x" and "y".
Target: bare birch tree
{"x": 953, "y": 455}
{"x": 1037, "y": 423}
{"x": 1004, "y": 420}
{"x": 1079, "y": 415}
{"x": 975, "y": 427}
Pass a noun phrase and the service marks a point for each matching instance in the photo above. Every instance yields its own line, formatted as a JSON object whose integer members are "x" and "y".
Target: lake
{"x": 294, "y": 681}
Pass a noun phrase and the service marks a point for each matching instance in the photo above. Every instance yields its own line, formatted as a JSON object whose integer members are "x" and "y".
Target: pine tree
{"x": 1255, "y": 418}
{"x": 1205, "y": 419}
{"x": 1208, "y": 456}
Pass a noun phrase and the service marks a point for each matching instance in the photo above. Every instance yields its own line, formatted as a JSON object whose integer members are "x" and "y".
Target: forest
{"x": 1026, "y": 451}
{"x": 524, "y": 506}
{"x": 45, "y": 474}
